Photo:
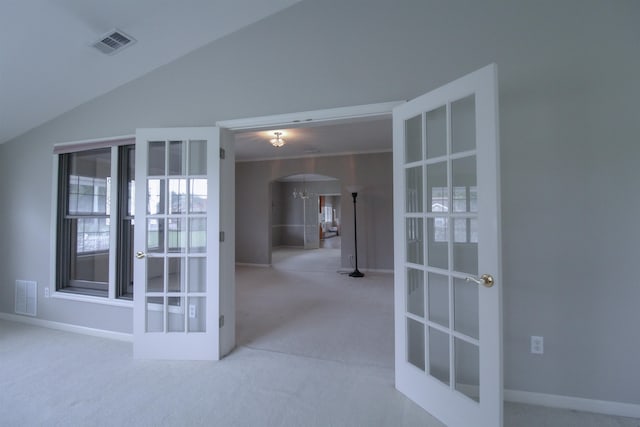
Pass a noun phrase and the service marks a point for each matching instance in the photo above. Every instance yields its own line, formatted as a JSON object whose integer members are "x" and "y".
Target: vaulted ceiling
{"x": 48, "y": 65}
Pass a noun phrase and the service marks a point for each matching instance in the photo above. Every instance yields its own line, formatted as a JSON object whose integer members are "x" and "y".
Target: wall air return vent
{"x": 113, "y": 41}
{"x": 26, "y": 297}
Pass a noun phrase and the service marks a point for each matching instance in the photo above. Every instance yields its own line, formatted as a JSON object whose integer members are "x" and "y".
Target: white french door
{"x": 448, "y": 311}
{"x": 177, "y": 224}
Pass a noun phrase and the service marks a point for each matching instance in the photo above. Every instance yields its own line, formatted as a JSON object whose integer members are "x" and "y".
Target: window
{"x": 91, "y": 209}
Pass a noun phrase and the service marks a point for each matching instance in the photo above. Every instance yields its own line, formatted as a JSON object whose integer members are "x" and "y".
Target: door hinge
{"x": 222, "y": 236}
{"x": 222, "y": 153}
{"x": 221, "y": 321}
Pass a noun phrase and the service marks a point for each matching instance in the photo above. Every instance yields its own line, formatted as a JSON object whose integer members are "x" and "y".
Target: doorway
{"x": 305, "y": 221}
{"x": 330, "y": 155}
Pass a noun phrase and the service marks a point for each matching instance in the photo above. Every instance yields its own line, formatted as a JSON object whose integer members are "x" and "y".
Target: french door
{"x": 448, "y": 313}
{"x": 176, "y": 244}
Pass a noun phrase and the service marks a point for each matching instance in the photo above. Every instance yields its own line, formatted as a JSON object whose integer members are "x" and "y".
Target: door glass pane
{"x": 178, "y": 196}
{"x": 155, "y": 196}
{"x": 155, "y": 235}
{"x": 177, "y": 236}
{"x": 438, "y": 247}
{"x": 156, "y": 158}
{"x": 437, "y": 189}
{"x": 197, "y": 314}
{"x": 415, "y": 242}
{"x": 197, "y": 235}
{"x": 155, "y": 274}
{"x": 175, "y": 314}
{"x": 415, "y": 292}
{"x": 414, "y": 189}
{"x": 197, "y": 157}
{"x": 463, "y": 124}
{"x": 467, "y": 372}
{"x": 415, "y": 344}
{"x": 439, "y": 355}
{"x": 438, "y": 286}
{"x": 198, "y": 195}
{"x": 197, "y": 275}
{"x": 177, "y": 158}
{"x": 465, "y": 251}
{"x": 176, "y": 275}
{"x": 413, "y": 139}
{"x": 155, "y": 314}
{"x": 465, "y": 296}
{"x": 437, "y": 132}
{"x": 463, "y": 172}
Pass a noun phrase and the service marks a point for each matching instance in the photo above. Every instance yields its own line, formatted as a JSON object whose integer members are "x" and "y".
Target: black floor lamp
{"x": 356, "y": 272}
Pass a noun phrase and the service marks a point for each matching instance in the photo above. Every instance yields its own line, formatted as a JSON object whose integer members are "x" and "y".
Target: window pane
{"x": 463, "y": 124}
{"x": 197, "y": 157}
{"x": 176, "y": 275}
{"x": 177, "y": 158}
{"x": 198, "y": 195}
{"x": 88, "y": 177}
{"x": 197, "y": 314}
{"x": 437, "y": 132}
{"x": 156, "y": 158}
{"x": 155, "y": 196}
{"x": 90, "y": 262}
{"x": 178, "y": 196}
{"x": 413, "y": 139}
{"x": 197, "y": 235}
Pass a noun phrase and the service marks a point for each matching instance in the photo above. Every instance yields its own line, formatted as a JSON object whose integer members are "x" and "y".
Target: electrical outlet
{"x": 46, "y": 292}
{"x": 537, "y": 345}
{"x": 192, "y": 311}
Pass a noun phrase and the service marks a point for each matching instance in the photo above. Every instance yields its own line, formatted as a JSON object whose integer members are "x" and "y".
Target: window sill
{"x": 93, "y": 299}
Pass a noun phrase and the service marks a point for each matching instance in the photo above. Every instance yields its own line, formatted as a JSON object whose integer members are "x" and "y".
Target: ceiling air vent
{"x": 113, "y": 41}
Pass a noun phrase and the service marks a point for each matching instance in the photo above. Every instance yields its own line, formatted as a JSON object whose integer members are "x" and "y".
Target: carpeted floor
{"x": 314, "y": 349}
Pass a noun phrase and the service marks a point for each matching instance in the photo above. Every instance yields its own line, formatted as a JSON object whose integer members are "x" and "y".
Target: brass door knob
{"x": 486, "y": 280}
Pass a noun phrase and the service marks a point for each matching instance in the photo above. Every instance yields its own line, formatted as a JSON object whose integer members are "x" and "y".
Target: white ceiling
{"x": 361, "y": 136}
{"x": 47, "y": 64}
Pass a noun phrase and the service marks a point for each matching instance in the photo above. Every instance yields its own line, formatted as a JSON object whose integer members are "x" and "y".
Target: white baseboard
{"x": 621, "y": 409}
{"x": 120, "y": 336}
{"x": 576, "y": 403}
{"x": 248, "y": 264}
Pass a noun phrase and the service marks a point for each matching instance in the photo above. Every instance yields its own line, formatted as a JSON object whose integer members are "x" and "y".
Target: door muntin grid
{"x": 176, "y": 231}
{"x": 441, "y": 217}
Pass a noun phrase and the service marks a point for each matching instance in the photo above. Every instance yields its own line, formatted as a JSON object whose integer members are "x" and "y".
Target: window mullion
{"x": 113, "y": 222}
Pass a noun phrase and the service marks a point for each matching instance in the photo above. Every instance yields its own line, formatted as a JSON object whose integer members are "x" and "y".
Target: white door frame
{"x": 300, "y": 119}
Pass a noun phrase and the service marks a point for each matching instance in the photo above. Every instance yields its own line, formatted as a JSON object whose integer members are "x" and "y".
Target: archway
{"x": 306, "y": 216}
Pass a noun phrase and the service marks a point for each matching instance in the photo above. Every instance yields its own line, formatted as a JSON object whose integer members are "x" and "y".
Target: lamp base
{"x": 356, "y": 273}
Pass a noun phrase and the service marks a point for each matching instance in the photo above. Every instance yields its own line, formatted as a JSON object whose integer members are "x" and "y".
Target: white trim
{"x": 248, "y": 264}
{"x": 69, "y": 146}
{"x": 307, "y": 117}
{"x": 119, "y": 336}
{"x": 620, "y": 409}
{"x": 116, "y": 302}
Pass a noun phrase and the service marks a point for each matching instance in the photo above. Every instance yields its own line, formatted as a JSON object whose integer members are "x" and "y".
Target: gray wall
{"x": 287, "y": 220}
{"x": 569, "y": 90}
{"x": 375, "y": 205}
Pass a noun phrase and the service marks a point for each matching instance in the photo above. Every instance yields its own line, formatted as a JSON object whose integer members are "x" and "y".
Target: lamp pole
{"x": 356, "y": 272}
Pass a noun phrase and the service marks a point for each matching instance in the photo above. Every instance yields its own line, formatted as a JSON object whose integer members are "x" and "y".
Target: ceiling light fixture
{"x": 277, "y": 141}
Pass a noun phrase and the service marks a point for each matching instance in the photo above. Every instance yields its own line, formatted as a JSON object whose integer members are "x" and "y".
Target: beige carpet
{"x": 315, "y": 349}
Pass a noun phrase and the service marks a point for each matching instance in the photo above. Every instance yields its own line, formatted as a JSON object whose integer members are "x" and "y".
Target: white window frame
{"x": 76, "y": 146}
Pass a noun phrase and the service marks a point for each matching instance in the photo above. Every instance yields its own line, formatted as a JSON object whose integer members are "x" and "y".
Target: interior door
{"x": 448, "y": 312}
{"x": 177, "y": 266}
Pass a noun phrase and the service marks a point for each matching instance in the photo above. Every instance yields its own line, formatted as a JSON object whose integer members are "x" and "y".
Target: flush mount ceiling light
{"x": 277, "y": 141}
